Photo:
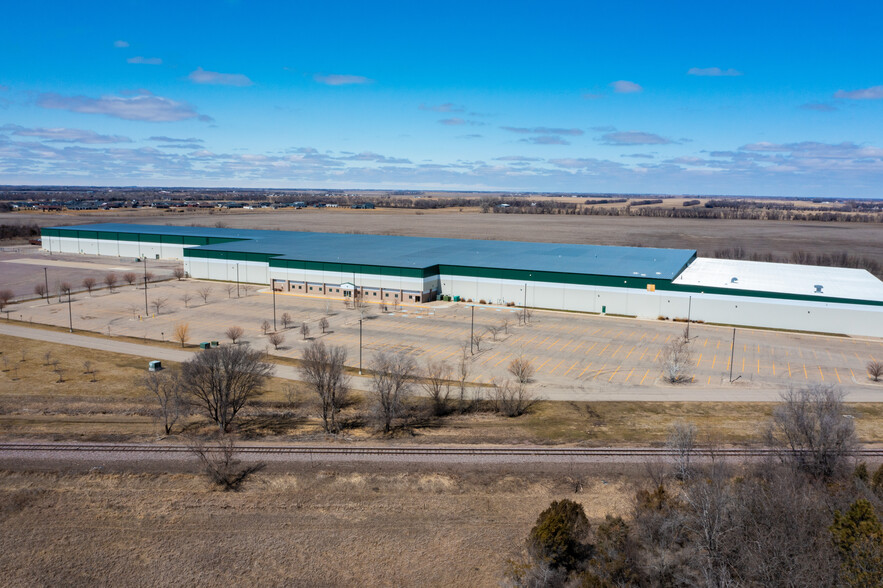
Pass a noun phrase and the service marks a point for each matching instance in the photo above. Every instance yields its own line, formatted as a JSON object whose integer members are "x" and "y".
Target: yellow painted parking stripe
{"x": 581, "y": 343}
{"x": 584, "y": 370}
{"x": 836, "y": 373}
{"x": 758, "y": 365}
{"x": 805, "y": 375}
{"x": 590, "y": 348}
{"x": 645, "y": 375}
{"x": 617, "y": 351}
{"x": 629, "y": 376}
{"x": 502, "y": 360}
{"x": 610, "y": 379}
{"x": 821, "y": 373}
{"x": 789, "y": 369}
{"x": 552, "y": 371}
{"x": 566, "y": 344}
{"x": 630, "y": 352}
{"x": 657, "y": 355}
{"x": 544, "y": 363}
{"x": 570, "y": 368}
{"x": 698, "y": 361}
{"x": 598, "y": 372}
{"x": 743, "y": 365}
{"x": 600, "y": 353}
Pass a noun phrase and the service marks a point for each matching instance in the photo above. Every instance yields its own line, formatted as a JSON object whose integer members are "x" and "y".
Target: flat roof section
{"x": 423, "y": 252}
{"x": 785, "y": 278}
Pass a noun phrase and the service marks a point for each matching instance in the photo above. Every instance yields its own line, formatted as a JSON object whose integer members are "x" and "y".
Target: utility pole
{"x": 273, "y": 285}
{"x": 146, "y": 310}
{"x": 360, "y": 347}
{"x": 46, "y": 279}
{"x": 689, "y": 309}
{"x": 472, "y": 331}
{"x": 70, "y": 312}
{"x": 732, "y": 349}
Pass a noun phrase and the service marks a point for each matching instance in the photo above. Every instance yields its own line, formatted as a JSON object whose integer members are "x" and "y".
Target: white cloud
{"x": 143, "y": 107}
{"x": 872, "y": 93}
{"x": 64, "y": 135}
{"x": 120, "y": 44}
{"x": 341, "y": 79}
{"x": 625, "y": 87}
{"x": 543, "y": 131}
{"x": 201, "y": 76}
{"x": 713, "y": 72}
{"x": 634, "y": 138}
{"x": 546, "y": 140}
{"x": 446, "y": 107}
{"x": 145, "y": 60}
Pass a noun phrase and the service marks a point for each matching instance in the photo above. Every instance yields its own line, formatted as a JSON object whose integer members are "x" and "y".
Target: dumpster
{"x": 214, "y": 343}
{"x": 154, "y": 366}
{"x": 456, "y": 299}
{"x": 205, "y": 345}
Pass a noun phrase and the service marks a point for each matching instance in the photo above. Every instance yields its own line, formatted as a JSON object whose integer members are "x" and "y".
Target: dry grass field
{"x": 779, "y": 238}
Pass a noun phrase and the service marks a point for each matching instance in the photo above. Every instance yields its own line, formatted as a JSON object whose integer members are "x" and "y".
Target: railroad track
{"x": 412, "y": 450}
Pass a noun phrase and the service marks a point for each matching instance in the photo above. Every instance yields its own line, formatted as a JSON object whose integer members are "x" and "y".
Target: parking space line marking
{"x": 552, "y": 371}
{"x": 836, "y": 373}
{"x": 789, "y": 369}
{"x": 758, "y": 365}
{"x": 852, "y": 372}
{"x": 600, "y": 353}
{"x": 645, "y": 375}
{"x": 743, "y": 365}
{"x": 590, "y": 348}
{"x": 657, "y": 355}
{"x": 628, "y": 376}
{"x": 544, "y": 363}
{"x": 610, "y": 379}
{"x": 821, "y": 373}
{"x": 630, "y": 352}
{"x": 581, "y": 343}
{"x": 617, "y": 351}
{"x": 502, "y": 360}
{"x": 699, "y": 360}
{"x": 584, "y": 370}
{"x": 805, "y": 375}
{"x": 570, "y": 368}
{"x": 713, "y": 360}
{"x": 598, "y": 373}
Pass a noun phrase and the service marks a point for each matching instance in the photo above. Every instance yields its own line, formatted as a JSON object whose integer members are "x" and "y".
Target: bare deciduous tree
{"x": 166, "y": 390}
{"x": 5, "y": 297}
{"x": 265, "y": 327}
{"x": 222, "y": 467}
{"x": 677, "y": 361}
{"x": 47, "y": 357}
{"x": 512, "y": 399}
{"x": 305, "y": 330}
{"x": 462, "y": 381}
{"x": 286, "y": 320}
{"x": 234, "y": 333}
{"x": 875, "y": 370}
{"x": 158, "y": 303}
{"x": 323, "y": 324}
{"x": 89, "y": 370}
{"x": 148, "y": 277}
{"x": 322, "y": 368}
{"x": 522, "y": 369}
{"x": 437, "y": 384}
{"x": 813, "y": 431}
{"x": 229, "y": 288}
{"x": 477, "y": 338}
{"x": 682, "y": 441}
{"x": 204, "y": 293}
{"x": 246, "y": 289}
{"x": 64, "y": 289}
{"x": 222, "y": 380}
{"x": 179, "y": 273}
{"x": 391, "y": 385}
{"x": 186, "y": 297}
{"x": 110, "y": 280}
{"x": 494, "y": 330}
{"x": 89, "y": 284}
{"x": 130, "y": 278}
{"x": 40, "y": 290}
{"x": 181, "y": 333}
{"x": 276, "y": 339}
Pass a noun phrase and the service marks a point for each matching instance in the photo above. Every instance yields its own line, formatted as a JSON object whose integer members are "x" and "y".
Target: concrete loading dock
{"x": 629, "y": 281}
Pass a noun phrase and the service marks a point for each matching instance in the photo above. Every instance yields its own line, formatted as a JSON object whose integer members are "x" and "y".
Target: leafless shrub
{"x": 181, "y": 333}
{"x": 477, "y": 338}
{"x": 276, "y": 339}
{"x": 522, "y": 369}
{"x": 110, "y": 280}
{"x": 494, "y": 330}
{"x": 89, "y": 284}
{"x": 204, "y": 293}
{"x": 463, "y": 369}
{"x": 148, "y": 277}
{"x": 40, "y": 290}
{"x": 437, "y": 384}
{"x": 322, "y": 368}
{"x": 165, "y": 387}
{"x": 222, "y": 380}
{"x": 159, "y": 303}
{"x": 286, "y": 320}
{"x": 64, "y": 289}
{"x": 179, "y": 273}
{"x": 682, "y": 441}
{"x": 47, "y": 357}
{"x": 265, "y": 327}
{"x": 875, "y": 370}
{"x": 511, "y": 399}
{"x": 220, "y": 465}
{"x": 186, "y": 297}
{"x": 60, "y": 372}
{"x": 323, "y": 324}
{"x": 677, "y": 361}
{"x": 134, "y": 308}
{"x": 130, "y": 277}
{"x": 812, "y": 430}
{"x": 246, "y": 288}
{"x": 89, "y": 370}
{"x": 504, "y": 326}
{"x": 234, "y": 333}
{"x": 229, "y": 288}
{"x": 5, "y": 297}
{"x": 305, "y": 330}
{"x": 392, "y": 377}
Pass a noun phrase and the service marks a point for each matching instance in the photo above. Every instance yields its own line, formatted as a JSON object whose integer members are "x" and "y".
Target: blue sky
{"x": 757, "y": 98}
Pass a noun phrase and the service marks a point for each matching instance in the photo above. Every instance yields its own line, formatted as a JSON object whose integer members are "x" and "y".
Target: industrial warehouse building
{"x": 630, "y": 281}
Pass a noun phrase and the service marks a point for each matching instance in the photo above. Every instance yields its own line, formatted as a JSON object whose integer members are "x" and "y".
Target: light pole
{"x": 472, "y": 331}
{"x": 146, "y": 310}
{"x": 273, "y": 286}
{"x": 70, "y": 312}
{"x": 46, "y": 279}
{"x": 360, "y": 347}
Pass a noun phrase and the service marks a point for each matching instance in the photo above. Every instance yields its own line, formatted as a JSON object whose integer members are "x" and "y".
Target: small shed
{"x": 154, "y": 366}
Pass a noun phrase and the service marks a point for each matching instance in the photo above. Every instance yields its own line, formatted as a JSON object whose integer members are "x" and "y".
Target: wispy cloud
{"x": 456, "y": 121}
{"x": 872, "y": 93}
{"x": 640, "y": 156}
{"x": 341, "y": 79}
{"x": 375, "y": 157}
{"x": 446, "y": 107}
{"x": 818, "y": 106}
{"x": 143, "y": 107}
{"x": 64, "y": 135}
{"x": 625, "y": 87}
{"x": 545, "y": 140}
{"x": 714, "y": 72}
{"x": 120, "y": 44}
{"x": 164, "y": 139}
{"x": 201, "y": 76}
{"x": 145, "y": 60}
{"x": 470, "y": 136}
{"x": 517, "y": 158}
{"x": 543, "y": 131}
{"x": 634, "y": 138}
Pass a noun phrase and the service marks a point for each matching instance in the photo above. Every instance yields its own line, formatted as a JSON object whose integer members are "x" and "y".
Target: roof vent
{"x": 734, "y": 280}
{"x": 818, "y": 288}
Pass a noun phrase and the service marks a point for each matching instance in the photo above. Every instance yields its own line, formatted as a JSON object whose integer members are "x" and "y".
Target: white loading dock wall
{"x": 226, "y": 270}
{"x": 114, "y": 247}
